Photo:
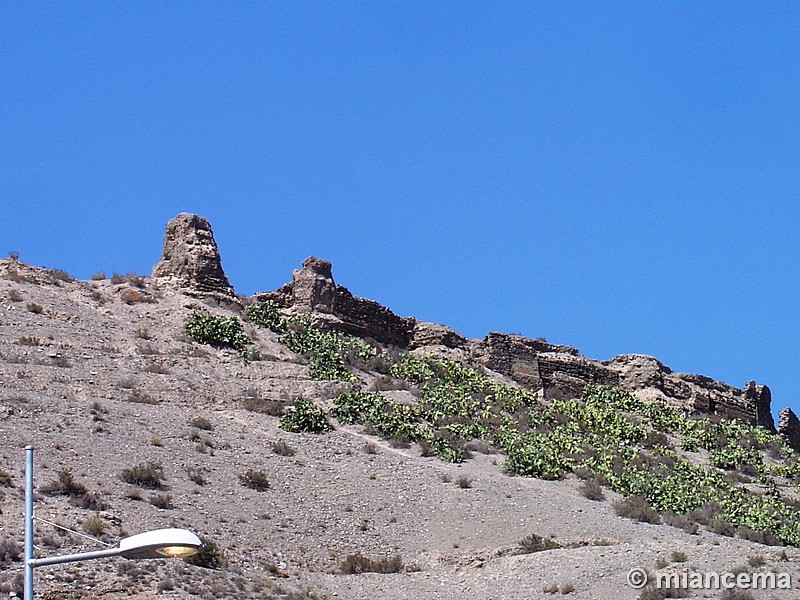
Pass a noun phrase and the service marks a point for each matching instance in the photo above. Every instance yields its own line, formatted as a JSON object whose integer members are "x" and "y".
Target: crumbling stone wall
{"x": 555, "y": 370}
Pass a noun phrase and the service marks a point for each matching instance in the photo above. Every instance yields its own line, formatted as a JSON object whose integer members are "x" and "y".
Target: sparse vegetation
{"x": 255, "y": 480}
{"x": 282, "y": 448}
{"x": 680, "y": 522}
{"x": 65, "y": 485}
{"x": 756, "y": 561}
{"x": 147, "y": 475}
{"x": 678, "y": 556}
{"x": 734, "y": 594}
{"x": 356, "y": 564}
{"x": 210, "y": 556}
{"x": 197, "y": 475}
{"x": 94, "y": 525}
{"x": 592, "y": 490}
{"x": 536, "y": 543}
{"x": 162, "y": 501}
{"x": 566, "y": 588}
{"x": 156, "y": 367}
{"x": 721, "y": 526}
{"x": 10, "y": 551}
{"x": 141, "y": 397}
{"x": 201, "y": 423}
{"x": 464, "y": 482}
{"x": 254, "y": 402}
{"x": 131, "y": 296}
{"x": 36, "y": 309}
{"x": 5, "y": 479}
{"x": 638, "y": 509}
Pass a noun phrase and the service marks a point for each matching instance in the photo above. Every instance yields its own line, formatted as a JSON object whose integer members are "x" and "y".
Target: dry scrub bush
{"x": 210, "y": 556}
{"x": 201, "y": 423}
{"x": 638, "y": 509}
{"x": 255, "y": 480}
{"x": 536, "y": 543}
{"x": 282, "y": 448}
{"x": 94, "y": 525}
{"x": 592, "y": 490}
{"x": 163, "y": 501}
{"x": 355, "y": 564}
{"x": 10, "y": 551}
{"x": 148, "y": 475}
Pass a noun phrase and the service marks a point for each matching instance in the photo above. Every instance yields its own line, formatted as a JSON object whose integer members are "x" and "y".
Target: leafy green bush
{"x": 217, "y": 330}
{"x": 266, "y": 315}
{"x": 305, "y": 416}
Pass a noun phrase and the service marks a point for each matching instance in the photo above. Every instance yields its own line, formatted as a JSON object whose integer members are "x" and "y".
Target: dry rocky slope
{"x": 101, "y": 377}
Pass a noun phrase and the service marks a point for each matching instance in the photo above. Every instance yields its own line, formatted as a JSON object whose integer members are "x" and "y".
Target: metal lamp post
{"x": 160, "y": 543}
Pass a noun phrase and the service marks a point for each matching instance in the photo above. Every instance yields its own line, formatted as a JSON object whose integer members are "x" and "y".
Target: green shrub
{"x": 266, "y": 315}
{"x": 622, "y": 442}
{"x": 328, "y": 351}
{"x": 305, "y": 416}
{"x": 217, "y": 330}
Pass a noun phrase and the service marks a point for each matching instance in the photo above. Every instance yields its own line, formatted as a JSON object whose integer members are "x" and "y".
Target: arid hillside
{"x": 324, "y": 447}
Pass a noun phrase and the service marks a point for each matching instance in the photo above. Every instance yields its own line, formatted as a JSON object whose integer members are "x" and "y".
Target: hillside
{"x": 492, "y": 468}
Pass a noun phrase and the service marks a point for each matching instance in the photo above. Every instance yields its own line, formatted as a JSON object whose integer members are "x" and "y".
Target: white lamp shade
{"x": 160, "y": 543}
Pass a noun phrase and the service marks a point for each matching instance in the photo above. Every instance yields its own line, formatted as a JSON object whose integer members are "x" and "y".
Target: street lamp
{"x": 160, "y": 543}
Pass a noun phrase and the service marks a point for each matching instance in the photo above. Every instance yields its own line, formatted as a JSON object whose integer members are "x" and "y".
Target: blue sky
{"x": 618, "y": 176}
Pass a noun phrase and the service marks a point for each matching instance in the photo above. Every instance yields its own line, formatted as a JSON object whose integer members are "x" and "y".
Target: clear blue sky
{"x": 618, "y": 176}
